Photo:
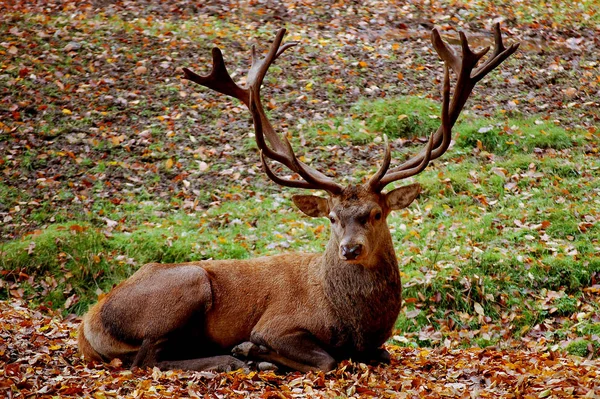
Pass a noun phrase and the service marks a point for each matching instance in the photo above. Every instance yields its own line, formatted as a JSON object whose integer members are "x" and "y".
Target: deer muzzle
{"x": 351, "y": 252}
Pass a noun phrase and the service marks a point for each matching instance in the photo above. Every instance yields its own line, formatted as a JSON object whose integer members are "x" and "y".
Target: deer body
{"x": 301, "y": 311}
{"x": 346, "y": 309}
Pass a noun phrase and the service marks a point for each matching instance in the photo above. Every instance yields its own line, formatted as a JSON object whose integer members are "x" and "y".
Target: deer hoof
{"x": 246, "y": 349}
{"x": 383, "y": 356}
{"x": 249, "y": 350}
{"x": 231, "y": 364}
{"x": 267, "y": 366}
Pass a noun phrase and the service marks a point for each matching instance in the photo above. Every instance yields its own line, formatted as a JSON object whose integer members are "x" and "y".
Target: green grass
{"x": 400, "y": 117}
{"x": 556, "y": 11}
{"x": 582, "y": 347}
{"x": 404, "y": 117}
{"x": 515, "y": 136}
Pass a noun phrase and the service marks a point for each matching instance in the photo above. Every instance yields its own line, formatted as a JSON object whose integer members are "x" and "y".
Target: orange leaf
{"x": 76, "y": 228}
{"x": 545, "y": 224}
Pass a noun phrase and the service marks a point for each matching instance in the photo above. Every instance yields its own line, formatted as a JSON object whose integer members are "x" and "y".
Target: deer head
{"x": 357, "y": 212}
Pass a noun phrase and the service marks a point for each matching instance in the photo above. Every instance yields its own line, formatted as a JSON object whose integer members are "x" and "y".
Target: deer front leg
{"x": 296, "y": 350}
{"x": 374, "y": 356}
{"x": 222, "y": 363}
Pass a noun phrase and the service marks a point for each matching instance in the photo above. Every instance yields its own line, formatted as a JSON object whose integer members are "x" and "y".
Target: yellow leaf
{"x": 54, "y": 347}
{"x": 545, "y": 393}
{"x": 479, "y": 309}
{"x": 362, "y": 64}
{"x": 66, "y": 111}
{"x": 169, "y": 163}
{"x": 141, "y": 70}
{"x": 116, "y": 140}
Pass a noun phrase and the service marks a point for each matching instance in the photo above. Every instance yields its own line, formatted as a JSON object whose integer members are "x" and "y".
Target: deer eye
{"x": 331, "y": 219}
{"x": 378, "y": 216}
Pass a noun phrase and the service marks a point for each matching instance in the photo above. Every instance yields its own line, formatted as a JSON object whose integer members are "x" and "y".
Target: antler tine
{"x": 279, "y": 180}
{"x": 429, "y": 152}
{"x": 446, "y": 120}
{"x": 284, "y": 47}
{"x": 498, "y": 56}
{"x": 218, "y": 79}
{"x": 463, "y": 67}
{"x": 445, "y": 52}
{"x": 387, "y": 159}
{"x": 403, "y": 174}
{"x": 259, "y": 68}
{"x": 459, "y": 65}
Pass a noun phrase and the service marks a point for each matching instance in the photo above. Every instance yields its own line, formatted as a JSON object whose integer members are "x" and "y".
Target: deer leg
{"x": 147, "y": 354}
{"x": 375, "y": 356}
{"x": 222, "y": 363}
{"x": 297, "y": 350}
{"x": 160, "y": 307}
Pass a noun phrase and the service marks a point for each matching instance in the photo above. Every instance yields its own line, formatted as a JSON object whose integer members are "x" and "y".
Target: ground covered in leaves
{"x": 109, "y": 160}
{"x": 40, "y": 360}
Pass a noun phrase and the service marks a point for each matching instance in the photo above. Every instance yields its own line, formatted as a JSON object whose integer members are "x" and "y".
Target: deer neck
{"x": 365, "y": 298}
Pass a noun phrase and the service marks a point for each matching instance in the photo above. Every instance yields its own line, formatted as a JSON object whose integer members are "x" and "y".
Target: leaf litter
{"x": 38, "y": 358}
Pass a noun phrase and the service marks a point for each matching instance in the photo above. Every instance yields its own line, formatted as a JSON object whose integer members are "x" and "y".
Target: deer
{"x": 300, "y": 311}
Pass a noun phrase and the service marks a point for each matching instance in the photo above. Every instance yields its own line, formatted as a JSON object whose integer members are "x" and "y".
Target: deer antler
{"x": 278, "y": 148}
{"x": 468, "y": 76}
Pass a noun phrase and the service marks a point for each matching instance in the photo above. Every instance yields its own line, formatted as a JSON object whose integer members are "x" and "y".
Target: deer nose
{"x": 351, "y": 252}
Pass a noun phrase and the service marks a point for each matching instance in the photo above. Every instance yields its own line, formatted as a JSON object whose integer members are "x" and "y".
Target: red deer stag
{"x": 301, "y": 311}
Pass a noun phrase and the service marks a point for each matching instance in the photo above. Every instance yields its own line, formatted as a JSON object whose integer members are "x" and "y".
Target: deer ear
{"x": 403, "y": 196}
{"x": 312, "y": 205}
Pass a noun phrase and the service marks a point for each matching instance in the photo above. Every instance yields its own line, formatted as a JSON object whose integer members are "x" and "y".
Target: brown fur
{"x": 307, "y": 310}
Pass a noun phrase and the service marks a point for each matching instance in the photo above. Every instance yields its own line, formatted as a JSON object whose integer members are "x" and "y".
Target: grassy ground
{"x": 110, "y": 161}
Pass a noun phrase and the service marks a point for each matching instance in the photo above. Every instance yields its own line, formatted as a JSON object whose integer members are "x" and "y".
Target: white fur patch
{"x": 102, "y": 342}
